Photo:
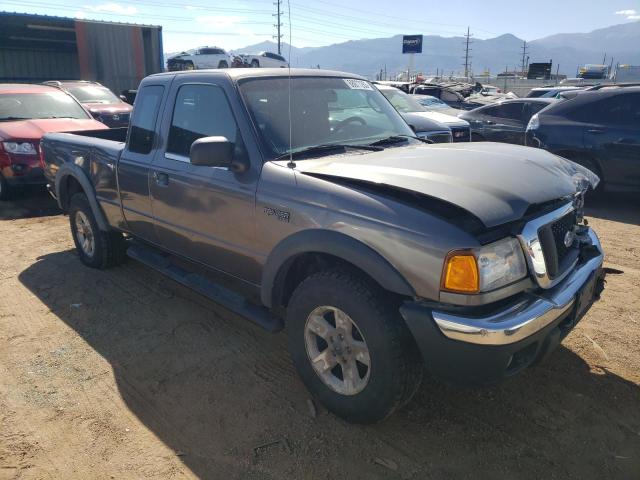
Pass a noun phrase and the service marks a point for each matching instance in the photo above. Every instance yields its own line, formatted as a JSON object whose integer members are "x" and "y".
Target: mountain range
{"x": 568, "y": 51}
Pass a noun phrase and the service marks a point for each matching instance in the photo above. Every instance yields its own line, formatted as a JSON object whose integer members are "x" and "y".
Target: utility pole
{"x": 278, "y": 25}
{"x": 524, "y": 57}
{"x": 467, "y": 57}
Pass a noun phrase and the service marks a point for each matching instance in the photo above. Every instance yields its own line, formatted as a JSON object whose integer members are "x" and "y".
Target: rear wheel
{"x": 351, "y": 347}
{"x": 96, "y": 248}
{"x": 255, "y": 63}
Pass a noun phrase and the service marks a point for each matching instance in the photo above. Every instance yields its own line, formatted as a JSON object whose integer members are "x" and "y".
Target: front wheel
{"x": 351, "y": 347}
{"x": 223, "y": 64}
{"x": 96, "y": 248}
{"x": 255, "y": 63}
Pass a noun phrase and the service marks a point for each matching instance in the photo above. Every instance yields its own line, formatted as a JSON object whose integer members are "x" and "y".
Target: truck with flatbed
{"x": 302, "y": 200}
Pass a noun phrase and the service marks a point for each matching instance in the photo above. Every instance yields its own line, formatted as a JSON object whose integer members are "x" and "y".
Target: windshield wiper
{"x": 12, "y": 119}
{"x": 328, "y": 147}
{"x": 393, "y": 139}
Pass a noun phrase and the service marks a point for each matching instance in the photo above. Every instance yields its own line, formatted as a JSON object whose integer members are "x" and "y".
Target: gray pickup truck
{"x": 379, "y": 253}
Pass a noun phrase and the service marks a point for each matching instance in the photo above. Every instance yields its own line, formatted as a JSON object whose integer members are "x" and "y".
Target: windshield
{"x": 93, "y": 94}
{"x": 402, "y": 101}
{"x": 431, "y": 102}
{"x": 324, "y": 110}
{"x": 16, "y": 106}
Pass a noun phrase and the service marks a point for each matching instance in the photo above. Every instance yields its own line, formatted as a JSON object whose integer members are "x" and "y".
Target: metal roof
{"x": 5, "y": 13}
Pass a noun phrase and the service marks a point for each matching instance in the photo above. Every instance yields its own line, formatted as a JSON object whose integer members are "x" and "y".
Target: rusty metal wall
{"x": 36, "y": 48}
{"x": 118, "y": 56}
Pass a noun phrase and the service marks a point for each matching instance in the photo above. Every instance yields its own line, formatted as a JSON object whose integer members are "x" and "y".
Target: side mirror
{"x": 123, "y": 98}
{"x": 211, "y": 152}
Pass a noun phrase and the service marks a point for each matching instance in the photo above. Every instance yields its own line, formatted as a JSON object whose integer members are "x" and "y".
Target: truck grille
{"x": 437, "y": 137}
{"x": 558, "y": 255}
{"x": 461, "y": 134}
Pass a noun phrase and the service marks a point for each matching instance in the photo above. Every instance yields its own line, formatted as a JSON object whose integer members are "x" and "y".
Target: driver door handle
{"x": 161, "y": 178}
{"x": 597, "y": 130}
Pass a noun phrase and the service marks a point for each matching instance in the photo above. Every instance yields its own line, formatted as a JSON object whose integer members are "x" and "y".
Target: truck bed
{"x": 96, "y": 153}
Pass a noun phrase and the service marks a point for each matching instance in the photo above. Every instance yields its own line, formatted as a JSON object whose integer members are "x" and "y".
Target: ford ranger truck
{"x": 305, "y": 202}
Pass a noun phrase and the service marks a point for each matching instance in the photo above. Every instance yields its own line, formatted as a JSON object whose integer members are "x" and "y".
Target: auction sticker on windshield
{"x": 358, "y": 84}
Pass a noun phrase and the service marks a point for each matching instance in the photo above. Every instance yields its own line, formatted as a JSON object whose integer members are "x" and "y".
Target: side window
{"x": 535, "y": 107}
{"x": 622, "y": 109}
{"x": 200, "y": 111}
{"x": 512, "y": 111}
{"x": 144, "y": 119}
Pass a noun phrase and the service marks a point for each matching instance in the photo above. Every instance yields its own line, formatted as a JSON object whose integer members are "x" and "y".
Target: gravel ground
{"x": 124, "y": 374}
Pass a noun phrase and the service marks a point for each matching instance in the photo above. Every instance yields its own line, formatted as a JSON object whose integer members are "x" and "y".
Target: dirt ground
{"x": 124, "y": 374}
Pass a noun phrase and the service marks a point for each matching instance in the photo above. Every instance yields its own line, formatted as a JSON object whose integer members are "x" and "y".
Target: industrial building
{"x": 35, "y": 48}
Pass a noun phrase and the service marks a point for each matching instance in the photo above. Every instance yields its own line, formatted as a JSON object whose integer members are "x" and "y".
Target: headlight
{"x": 20, "y": 148}
{"x": 484, "y": 269}
{"x": 534, "y": 123}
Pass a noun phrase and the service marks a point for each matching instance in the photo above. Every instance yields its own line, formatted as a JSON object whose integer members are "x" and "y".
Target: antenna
{"x": 291, "y": 163}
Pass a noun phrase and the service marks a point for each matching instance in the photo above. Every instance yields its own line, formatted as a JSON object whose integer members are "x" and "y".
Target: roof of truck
{"x": 241, "y": 73}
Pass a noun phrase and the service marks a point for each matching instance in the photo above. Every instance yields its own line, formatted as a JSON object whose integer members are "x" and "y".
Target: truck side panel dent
{"x": 333, "y": 243}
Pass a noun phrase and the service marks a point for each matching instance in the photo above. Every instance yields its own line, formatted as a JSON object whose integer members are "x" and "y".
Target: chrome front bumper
{"x": 526, "y": 317}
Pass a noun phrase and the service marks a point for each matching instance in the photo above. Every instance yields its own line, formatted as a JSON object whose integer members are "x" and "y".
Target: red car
{"x": 27, "y": 112}
{"x": 101, "y": 102}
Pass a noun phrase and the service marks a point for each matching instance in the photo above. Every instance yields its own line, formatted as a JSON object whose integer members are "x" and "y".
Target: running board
{"x": 213, "y": 291}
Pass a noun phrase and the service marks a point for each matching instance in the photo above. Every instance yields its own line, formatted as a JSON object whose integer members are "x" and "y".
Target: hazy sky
{"x": 322, "y": 22}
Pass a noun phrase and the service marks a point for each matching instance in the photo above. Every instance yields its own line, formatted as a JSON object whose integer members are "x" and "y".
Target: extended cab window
{"x": 200, "y": 111}
{"x": 144, "y": 119}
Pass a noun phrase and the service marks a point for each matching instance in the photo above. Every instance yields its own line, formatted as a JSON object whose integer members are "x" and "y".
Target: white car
{"x": 265, "y": 59}
{"x": 404, "y": 103}
{"x": 199, "y": 58}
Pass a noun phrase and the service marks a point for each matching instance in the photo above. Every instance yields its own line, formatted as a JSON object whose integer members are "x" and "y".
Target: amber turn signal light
{"x": 461, "y": 273}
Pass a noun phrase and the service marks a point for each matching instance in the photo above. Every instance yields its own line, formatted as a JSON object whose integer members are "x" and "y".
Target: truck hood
{"x": 34, "y": 129}
{"x": 496, "y": 182}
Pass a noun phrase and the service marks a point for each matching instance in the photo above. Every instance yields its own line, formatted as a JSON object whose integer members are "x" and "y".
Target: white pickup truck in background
{"x": 199, "y": 58}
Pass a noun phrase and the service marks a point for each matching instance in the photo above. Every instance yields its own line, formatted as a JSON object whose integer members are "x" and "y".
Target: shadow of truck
{"x": 225, "y": 394}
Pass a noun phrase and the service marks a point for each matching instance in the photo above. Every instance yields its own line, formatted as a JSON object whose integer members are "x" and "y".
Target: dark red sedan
{"x": 101, "y": 102}
{"x": 27, "y": 112}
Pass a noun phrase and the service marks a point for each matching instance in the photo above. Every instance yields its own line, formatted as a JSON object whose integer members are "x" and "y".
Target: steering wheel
{"x": 343, "y": 123}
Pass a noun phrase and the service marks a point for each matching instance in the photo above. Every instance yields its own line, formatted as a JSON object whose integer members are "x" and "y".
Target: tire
{"x": 476, "y": 137}
{"x": 108, "y": 248}
{"x": 189, "y": 66}
{"x": 255, "y": 64}
{"x": 5, "y": 190}
{"x": 395, "y": 367}
{"x": 223, "y": 64}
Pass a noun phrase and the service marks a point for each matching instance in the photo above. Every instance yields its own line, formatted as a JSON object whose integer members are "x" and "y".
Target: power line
{"x": 467, "y": 57}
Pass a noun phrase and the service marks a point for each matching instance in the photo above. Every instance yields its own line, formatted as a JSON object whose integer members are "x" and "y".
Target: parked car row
{"x": 27, "y": 112}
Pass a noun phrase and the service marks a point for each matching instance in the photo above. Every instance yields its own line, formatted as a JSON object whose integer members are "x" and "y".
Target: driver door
{"x": 206, "y": 214}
